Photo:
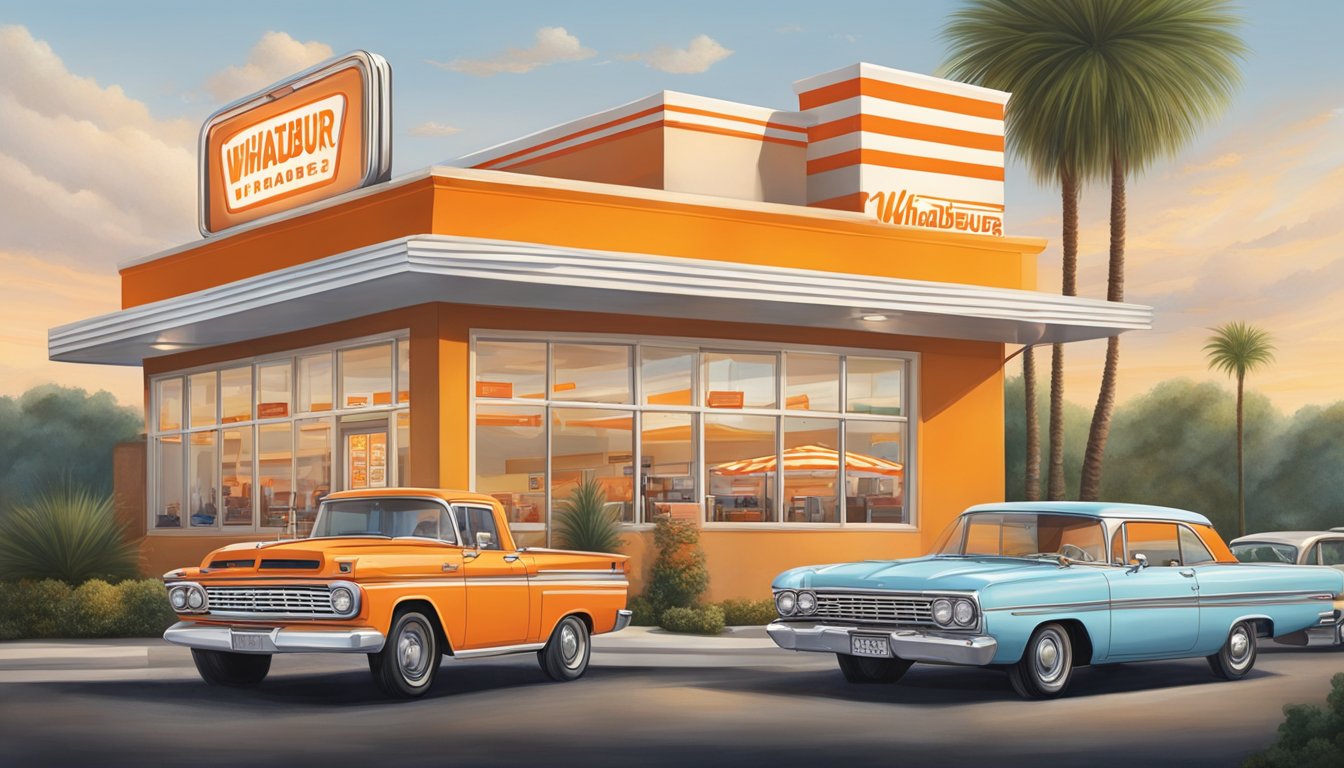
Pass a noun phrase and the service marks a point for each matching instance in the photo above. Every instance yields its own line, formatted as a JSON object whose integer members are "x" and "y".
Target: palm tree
{"x": 1053, "y": 123}
{"x": 1166, "y": 67}
{"x": 1032, "y": 481}
{"x": 1237, "y": 349}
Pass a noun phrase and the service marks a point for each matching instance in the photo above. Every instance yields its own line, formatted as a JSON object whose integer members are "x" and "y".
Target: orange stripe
{"x": 567, "y": 137}
{"x": 904, "y": 162}
{"x": 905, "y": 129}
{"x": 729, "y": 132}
{"x": 753, "y": 121}
{"x": 904, "y": 94}
{"x": 583, "y": 146}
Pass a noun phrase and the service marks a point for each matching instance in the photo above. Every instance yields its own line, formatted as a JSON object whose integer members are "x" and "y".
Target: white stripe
{"x": 69, "y": 652}
{"x": 869, "y": 105}
{"x": 575, "y": 142}
{"x": 884, "y": 143}
{"x": 899, "y": 77}
{"x": 682, "y": 119}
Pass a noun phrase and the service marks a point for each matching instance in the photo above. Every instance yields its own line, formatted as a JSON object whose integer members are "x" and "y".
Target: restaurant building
{"x": 698, "y": 304}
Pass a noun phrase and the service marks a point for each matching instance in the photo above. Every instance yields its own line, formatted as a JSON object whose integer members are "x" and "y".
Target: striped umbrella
{"x": 812, "y": 458}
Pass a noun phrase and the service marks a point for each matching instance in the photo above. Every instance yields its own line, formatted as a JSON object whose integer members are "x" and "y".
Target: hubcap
{"x": 1239, "y": 646}
{"x": 413, "y": 653}
{"x": 571, "y": 646}
{"x": 1050, "y": 658}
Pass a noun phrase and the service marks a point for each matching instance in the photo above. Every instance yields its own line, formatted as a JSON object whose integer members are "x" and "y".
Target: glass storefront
{"x": 728, "y": 434}
{"x": 255, "y": 445}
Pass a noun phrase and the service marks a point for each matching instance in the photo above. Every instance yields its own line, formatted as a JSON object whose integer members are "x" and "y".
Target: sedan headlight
{"x": 963, "y": 613}
{"x": 807, "y": 603}
{"x": 786, "y": 603}
{"x": 342, "y": 600}
{"x": 942, "y": 612}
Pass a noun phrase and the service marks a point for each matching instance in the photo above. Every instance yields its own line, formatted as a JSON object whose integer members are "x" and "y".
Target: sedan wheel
{"x": 1046, "y": 666}
{"x": 565, "y": 656}
{"x": 406, "y": 666}
{"x": 1237, "y": 655}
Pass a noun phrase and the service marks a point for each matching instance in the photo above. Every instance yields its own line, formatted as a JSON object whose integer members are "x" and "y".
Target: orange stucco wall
{"x": 959, "y": 441}
{"x": 508, "y": 208}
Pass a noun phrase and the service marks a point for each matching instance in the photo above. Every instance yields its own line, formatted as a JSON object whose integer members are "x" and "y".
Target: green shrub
{"x": 36, "y": 608}
{"x": 644, "y": 614}
{"x": 144, "y": 609}
{"x": 584, "y": 523}
{"x": 705, "y": 620}
{"x": 1309, "y": 737}
{"x": 739, "y": 613}
{"x": 68, "y": 534}
{"x": 679, "y": 576}
{"x": 50, "y": 608}
{"x": 93, "y": 609}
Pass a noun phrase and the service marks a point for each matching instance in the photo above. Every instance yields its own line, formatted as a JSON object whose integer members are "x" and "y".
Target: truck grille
{"x": 311, "y": 601}
{"x": 890, "y": 609}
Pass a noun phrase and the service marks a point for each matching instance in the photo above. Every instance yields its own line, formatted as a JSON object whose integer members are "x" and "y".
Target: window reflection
{"x": 739, "y": 380}
{"x": 875, "y": 472}
{"x": 811, "y": 467}
{"x": 740, "y": 467}
{"x": 511, "y": 460}
{"x": 593, "y": 445}
{"x": 813, "y": 382}
{"x": 593, "y": 373}
{"x": 511, "y": 369}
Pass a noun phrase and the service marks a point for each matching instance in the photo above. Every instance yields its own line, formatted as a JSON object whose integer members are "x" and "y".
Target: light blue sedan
{"x": 1041, "y": 588}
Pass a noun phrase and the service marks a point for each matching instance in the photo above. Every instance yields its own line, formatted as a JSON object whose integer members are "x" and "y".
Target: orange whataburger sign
{"x": 309, "y": 137}
{"x": 913, "y": 210}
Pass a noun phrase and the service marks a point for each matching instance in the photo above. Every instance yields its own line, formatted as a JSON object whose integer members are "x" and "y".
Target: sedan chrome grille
{"x": 889, "y": 609}
{"x": 311, "y": 601}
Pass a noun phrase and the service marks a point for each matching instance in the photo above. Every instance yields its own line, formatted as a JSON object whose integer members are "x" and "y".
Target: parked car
{"x": 406, "y": 576}
{"x": 1299, "y": 548}
{"x": 1042, "y": 588}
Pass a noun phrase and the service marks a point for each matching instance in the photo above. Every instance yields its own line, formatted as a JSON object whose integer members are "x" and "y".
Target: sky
{"x": 101, "y": 103}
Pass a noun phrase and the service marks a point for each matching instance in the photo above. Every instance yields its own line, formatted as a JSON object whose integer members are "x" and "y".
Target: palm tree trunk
{"x": 1241, "y": 477}
{"x": 1069, "y": 243}
{"x": 1090, "y": 485}
{"x": 1032, "y": 485}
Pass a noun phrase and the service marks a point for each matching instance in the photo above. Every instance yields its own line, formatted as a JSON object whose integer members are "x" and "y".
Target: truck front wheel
{"x": 234, "y": 670}
{"x": 406, "y": 666}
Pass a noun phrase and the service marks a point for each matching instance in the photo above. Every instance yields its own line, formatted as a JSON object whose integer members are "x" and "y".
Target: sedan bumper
{"x": 908, "y": 644}
{"x": 274, "y": 639}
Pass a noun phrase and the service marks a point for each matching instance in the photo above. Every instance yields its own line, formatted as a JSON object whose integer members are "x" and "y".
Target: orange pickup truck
{"x": 404, "y": 575}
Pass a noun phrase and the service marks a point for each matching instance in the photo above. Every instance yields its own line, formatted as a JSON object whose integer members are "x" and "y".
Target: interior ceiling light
{"x": 874, "y": 318}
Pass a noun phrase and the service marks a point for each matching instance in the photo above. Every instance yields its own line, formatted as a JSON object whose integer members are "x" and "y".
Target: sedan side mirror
{"x": 1140, "y": 562}
{"x": 484, "y": 539}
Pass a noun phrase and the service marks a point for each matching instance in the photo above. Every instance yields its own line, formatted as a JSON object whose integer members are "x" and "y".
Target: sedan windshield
{"x": 383, "y": 517}
{"x": 1264, "y": 552}
{"x": 1019, "y": 534}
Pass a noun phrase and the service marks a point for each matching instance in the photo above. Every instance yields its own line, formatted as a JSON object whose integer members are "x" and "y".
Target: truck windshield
{"x": 1018, "y": 534}
{"x": 384, "y": 517}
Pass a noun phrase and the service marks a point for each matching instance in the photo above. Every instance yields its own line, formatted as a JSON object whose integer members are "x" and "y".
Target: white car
{"x": 1299, "y": 548}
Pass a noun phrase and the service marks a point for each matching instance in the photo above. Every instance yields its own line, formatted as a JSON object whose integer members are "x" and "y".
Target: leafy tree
{"x": 583, "y": 521}
{"x": 1015, "y": 456}
{"x": 1237, "y": 349}
{"x": 53, "y": 435}
{"x": 1303, "y": 488}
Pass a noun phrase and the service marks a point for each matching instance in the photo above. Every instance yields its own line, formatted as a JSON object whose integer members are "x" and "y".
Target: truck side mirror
{"x": 484, "y": 539}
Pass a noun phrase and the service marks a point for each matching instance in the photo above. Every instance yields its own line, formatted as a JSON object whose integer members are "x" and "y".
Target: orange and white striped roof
{"x": 811, "y": 458}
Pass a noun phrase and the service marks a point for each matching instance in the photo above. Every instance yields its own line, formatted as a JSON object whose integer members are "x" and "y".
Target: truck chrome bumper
{"x": 623, "y": 617}
{"x": 908, "y": 644}
{"x": 274, "y": 639}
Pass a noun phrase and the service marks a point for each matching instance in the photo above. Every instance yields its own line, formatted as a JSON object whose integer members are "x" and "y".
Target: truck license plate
{"x": 869, "y": 646}
{"x": 248, "y": 641}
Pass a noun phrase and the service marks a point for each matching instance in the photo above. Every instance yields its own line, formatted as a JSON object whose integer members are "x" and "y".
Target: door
{"x": 498, "y": 599}
{"x": 1154, "y": 610}
{"x": 364, "y": 454}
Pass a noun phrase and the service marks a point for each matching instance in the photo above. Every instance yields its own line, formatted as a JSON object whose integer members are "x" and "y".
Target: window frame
{"x": 254, "y": 363}
{"x": 698, "y": 408}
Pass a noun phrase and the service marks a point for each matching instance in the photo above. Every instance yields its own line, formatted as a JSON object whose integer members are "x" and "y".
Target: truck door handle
{"x": 511, "y": 558}
{"x": 1188, "y": 574}
{"x": 470, "y": 555}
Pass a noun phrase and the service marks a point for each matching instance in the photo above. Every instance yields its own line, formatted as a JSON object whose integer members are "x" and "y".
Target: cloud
{"x": 788, "y": 29}
{"x": 275, "y": 56}
{"x": 432, "y": 128}
{"x": 702, "y": 53}
{"x": 553, "y": 45}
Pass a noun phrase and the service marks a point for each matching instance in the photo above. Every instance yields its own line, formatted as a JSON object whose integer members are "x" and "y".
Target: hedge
{"x": 1310, "y": 736}
{"x": 705, "y": 620}
{"x": 741, "y": 613}
{"x": 53, "y": 609}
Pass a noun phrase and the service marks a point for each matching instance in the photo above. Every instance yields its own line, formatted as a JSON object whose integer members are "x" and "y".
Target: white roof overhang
{"x": 429, "y": 268}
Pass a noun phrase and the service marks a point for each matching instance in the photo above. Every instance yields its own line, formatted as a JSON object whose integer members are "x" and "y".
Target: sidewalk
{"x": 29, "y": 661}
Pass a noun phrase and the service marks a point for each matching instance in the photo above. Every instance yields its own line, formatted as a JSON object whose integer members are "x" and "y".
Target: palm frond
{"x": 1237, "y": 348}
{"x": 69, "y": 534}
{"x": 583, "y": 521}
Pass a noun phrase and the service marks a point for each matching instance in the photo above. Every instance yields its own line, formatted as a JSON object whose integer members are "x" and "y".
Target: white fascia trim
{"x": 728, "y": 284}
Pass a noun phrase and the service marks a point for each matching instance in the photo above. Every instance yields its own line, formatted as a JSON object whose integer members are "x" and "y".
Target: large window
{"x": 730, "y": 434}
{"x": 254, "y": 445}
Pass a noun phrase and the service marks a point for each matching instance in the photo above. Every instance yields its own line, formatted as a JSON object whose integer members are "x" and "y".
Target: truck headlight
{"x": 786, "y": 603}
{"x": 807, "y": 603}
{"x": 942, "y": 612}
{"x": 342, "y": 600}
{"x": 177, "y": 596}
{"x": 963, "y": 613}
{"x": 195, "y": 598}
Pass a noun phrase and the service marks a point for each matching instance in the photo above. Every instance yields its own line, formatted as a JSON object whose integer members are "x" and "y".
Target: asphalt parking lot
{"x": 735, "y": 701}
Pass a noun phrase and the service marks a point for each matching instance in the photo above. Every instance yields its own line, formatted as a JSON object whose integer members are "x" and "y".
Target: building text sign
{"x": 908, "y": 209}
{"x": 307, "y": 138}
